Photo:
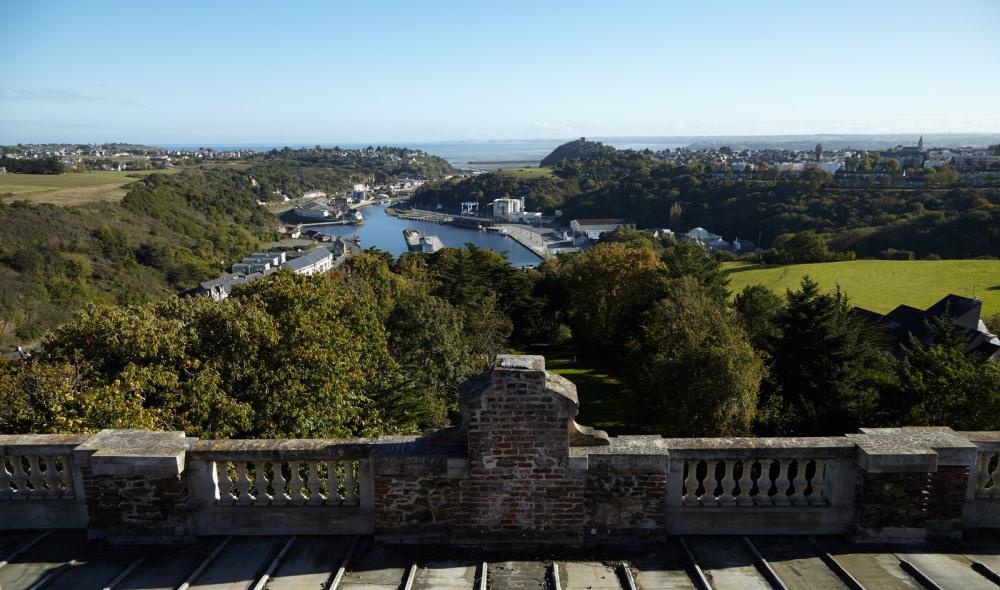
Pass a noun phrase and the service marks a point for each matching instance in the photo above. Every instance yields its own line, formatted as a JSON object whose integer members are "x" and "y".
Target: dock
{"x": 418, "y": 242}
{"x": 529, "y": 239}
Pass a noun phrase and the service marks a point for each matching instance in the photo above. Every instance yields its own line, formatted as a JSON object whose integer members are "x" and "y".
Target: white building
{"x": 314, "y": 210}
{"x": 592, "y": 229}
{"x": 507, "y": 209}
{"x": 314, "y": 262}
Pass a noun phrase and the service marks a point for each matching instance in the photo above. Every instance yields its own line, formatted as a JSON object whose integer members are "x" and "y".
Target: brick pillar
{"x": 521, "y": 482}
{"x": 135, "y": 486}
{"x": 911, "y": 483}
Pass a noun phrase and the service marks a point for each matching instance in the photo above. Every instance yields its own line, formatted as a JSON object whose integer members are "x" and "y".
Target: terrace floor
{"x": 57, "y": 560}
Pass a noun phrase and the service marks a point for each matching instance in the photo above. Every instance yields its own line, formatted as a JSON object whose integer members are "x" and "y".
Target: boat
{"x": 504, "y": 232}
{"x": 358, "y": 218}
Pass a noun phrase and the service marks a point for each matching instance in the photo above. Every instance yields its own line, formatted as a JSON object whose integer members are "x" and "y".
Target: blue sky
{"x": 359, "y": 71}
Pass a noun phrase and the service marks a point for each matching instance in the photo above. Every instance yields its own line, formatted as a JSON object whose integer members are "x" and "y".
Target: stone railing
{"x": 39, "y": 478}
{"x": 518, "y": 468}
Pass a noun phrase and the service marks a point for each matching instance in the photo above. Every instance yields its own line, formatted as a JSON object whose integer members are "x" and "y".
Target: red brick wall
{"x": 519, "y": 483}
{"x": 896, "y": 500}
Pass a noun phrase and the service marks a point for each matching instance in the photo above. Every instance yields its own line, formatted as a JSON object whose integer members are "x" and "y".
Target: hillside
{"x": 881, "y": 285}
{"x": 578, "y": 149}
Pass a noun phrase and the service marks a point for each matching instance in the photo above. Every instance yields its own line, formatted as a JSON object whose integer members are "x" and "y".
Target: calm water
{"x": 386, "y": 233}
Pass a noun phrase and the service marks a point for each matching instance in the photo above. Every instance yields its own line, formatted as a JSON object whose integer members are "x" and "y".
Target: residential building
{"x": 312, "y": 262}
{"x": 315, "y": 210}
{"x": 905, "y": 322}
{"x": 592, "y": 229}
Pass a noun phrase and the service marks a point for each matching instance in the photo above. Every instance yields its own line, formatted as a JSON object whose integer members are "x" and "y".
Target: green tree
{"x": 687, "y": 259}
{"x": 609, "y": 287}
{"x": 939, "y": 385}
{"x": 829, "y": 363}
{"x": 759, "y": 307}
{"x": 692, "y": 368}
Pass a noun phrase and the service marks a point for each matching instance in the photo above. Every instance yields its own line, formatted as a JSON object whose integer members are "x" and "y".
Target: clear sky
{"x": 362, "y": 70}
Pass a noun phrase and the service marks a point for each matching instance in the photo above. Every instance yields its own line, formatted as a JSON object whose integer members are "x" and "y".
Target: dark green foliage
{"x": 939, "y": 384}
{"x": 759, "y": 307}
{"x": 802, "y": 248}
{"x": 50, "y": 165}
{"x": 829, "y": 363}
{"x": 693, "y": 370}
{"x": 579, "y": 149}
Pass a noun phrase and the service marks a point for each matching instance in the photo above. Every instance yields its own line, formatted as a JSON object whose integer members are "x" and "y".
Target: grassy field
{"x": 603, "y": 398}
{"x": 881, "y": 285}
{"x": 525, "y": 172}
{"x": 73, "y": 188}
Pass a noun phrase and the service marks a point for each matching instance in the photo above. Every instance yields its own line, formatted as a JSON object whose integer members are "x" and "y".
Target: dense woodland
{"x": 934, "y": 221}
{"x": 381, "y": 346}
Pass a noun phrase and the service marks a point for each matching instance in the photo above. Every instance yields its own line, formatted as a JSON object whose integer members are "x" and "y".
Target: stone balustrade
{"x": 518, "y": 468}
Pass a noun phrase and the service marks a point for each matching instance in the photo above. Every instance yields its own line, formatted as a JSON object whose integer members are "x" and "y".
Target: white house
{"x": 314, "y": 210}
{"x": 593, "y": 228}
{"x": 314, "y": 262}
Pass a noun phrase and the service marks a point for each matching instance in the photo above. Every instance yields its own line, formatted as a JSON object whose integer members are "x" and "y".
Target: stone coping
{"x": 329, "y": 449}
{"x": 127, "y": 452}
{"x": 912, "y": 449}
{"x": 40, "y": 444}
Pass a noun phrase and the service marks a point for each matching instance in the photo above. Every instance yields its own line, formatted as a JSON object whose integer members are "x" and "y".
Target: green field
{"x": 881, "y": 285}
{"x": 71, "y": 188}
{"x": 525, "y": 172}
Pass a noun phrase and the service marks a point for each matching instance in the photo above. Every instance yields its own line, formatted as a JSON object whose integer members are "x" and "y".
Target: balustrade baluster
{"x": 243, "y": 485}
{"x": 261, "y": 497}
{"x": 781, "y": 484}
{"x": 995, "y": 480}
{"x": 690, "y": 497}
{"x": 225, "y": 495}
{"x": 746, "y": 483}
{"x": 20, "y": 477}
{"x": 333, "y": 497}
{"x": 35, "y": 477}
{"x": 66, "y": 478}
{"x": 984, "y": 473}
{"x": 762, "y": 497}
{"x": 279, "y": 498}
{"x": 728, "y": 484}
{"x": 818, "y": 484}
{"x": 295, "y": 486}
{"x": 798, "y": 497}
{"x": 350, "y": 483}
{"x": 5, "y": 479}
{"x": 51, "y": 478}
{"x": 709, "y": 498}
{"x": 314, "y": 496}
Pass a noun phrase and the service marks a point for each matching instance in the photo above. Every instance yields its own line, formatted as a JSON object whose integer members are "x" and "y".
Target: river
{"x": 385, "y": 232}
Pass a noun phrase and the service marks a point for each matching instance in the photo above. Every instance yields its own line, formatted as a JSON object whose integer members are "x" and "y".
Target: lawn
{"x": 525, "y": 173}
{"x": 603, "y": 398}
{"x": 73, "y": 188}
{"x": 881, "y": 285}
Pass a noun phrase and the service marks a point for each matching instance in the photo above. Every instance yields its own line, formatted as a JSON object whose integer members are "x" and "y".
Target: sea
{"x": 482, "y": 155}
{"x": 511, "y": 153}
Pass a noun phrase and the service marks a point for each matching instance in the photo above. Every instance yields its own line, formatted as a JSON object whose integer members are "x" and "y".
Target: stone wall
{"x": 136, "y": 507}
{"x": 518, "y": 468}
{"x": 620, "y": 504}
{"x": 413, "y": 499}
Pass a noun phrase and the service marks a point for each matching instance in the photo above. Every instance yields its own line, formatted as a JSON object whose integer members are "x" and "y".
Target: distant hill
{"x": 575, "y": 150}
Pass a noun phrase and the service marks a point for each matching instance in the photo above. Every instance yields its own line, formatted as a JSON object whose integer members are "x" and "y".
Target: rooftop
{"x": 64, "y": 560}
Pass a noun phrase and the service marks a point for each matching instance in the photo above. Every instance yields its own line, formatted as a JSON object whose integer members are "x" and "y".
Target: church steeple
{"x": 920, "y": 144}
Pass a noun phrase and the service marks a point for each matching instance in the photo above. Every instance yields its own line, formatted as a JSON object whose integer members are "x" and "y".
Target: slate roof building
{"x": 905, "y": 320}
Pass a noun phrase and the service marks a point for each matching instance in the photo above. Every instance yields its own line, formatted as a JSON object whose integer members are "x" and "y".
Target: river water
{"x": 385, "y": 232}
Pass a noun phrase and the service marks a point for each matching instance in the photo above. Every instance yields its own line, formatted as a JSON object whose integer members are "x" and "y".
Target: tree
{"x": 819, "y": 152}
{"x": 687, "y": 259}
{"x": 939, "y": 385}
{"x": 801, "y": 248}
{"x": 610, "y": 286}
{"x": 829, "y": 363}
{"x": 692, "y": 368}
{"x": 759, "y": 307}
